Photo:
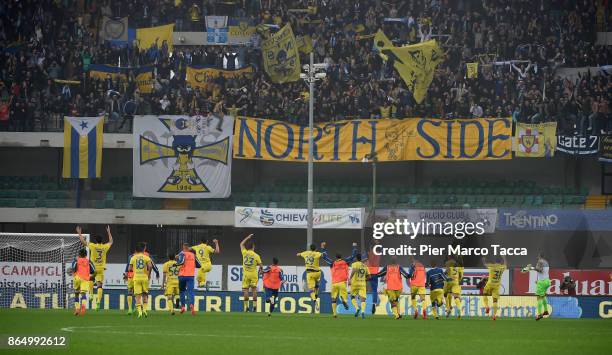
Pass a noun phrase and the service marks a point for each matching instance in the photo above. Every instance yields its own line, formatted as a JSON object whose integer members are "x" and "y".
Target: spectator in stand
{"x": 56, "y": 40}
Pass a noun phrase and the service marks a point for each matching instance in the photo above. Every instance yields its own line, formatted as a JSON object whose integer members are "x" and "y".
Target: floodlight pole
{"x": 310, "y": 77}
{"x": 309, "y": 219}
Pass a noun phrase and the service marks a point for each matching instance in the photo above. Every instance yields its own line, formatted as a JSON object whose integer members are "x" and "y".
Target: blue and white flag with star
{"x": 83, "y": 147}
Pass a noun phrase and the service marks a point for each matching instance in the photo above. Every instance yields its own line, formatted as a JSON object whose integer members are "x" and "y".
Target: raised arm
{"x": 79, "y": 231}
{"x": 244, "y": 241}
{"x": 382, "y": 272}
{"x": 217, "y": 247}
{"x": 110, "y": 236}
{"x": 350, "y": 259}
{"x": 404, "y": 272}
{"x": 324, "y": 254}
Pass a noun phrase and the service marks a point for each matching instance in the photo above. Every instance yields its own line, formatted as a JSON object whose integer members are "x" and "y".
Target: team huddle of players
{"x": 179, "y": 272}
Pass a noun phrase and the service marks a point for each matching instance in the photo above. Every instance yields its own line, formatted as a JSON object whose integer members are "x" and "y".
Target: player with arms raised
{"x": 202, "y": 252}
{"x": 82, "y": 268}
{"x": 97, "y": 255}
{"x": 452, "y": 287}
{"x": 313, "y": 272}
{"x": 496, "y": 270}
{"x": 170, "y": 281}
{"x": 251, "y": 266}
{"x": 357, "y": 283}
{"x": 141, "y": 266}
{"x": 542, "y": 284}
{"x": 339, "y": 274}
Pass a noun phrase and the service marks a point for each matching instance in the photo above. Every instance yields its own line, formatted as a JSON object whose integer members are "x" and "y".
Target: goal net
{"x": 34, "y": 269}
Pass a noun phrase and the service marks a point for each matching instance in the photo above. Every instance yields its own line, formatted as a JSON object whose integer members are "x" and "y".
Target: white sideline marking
{"x": 97, "y": 329}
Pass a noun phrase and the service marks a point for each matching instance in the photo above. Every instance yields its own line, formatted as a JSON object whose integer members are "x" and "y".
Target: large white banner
{"x": 31, "y": 275}
{"x": 329, "y": 218}
{"x": 486, "y": 216}
{"x": 182, "y": 156}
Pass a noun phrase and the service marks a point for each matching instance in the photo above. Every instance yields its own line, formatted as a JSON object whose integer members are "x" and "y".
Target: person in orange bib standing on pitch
{"x": 416, "y": 273}
{"x": 393, "y": 278}
{"x": 272, "y": 281}
{"x": 339, "y": 274}
{"x": 187, "y": 263}
{"x": 82, "y": 268}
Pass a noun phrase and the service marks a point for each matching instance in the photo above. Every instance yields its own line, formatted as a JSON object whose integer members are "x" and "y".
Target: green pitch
{"x": 111, "y": 332}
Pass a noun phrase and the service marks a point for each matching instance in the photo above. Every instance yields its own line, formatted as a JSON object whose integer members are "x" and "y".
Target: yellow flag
{"x": 472, "y": 70}
{"x": 304, "y": 44}
{"x": 202, "y": 77}
{"x": 535, "y": 140}
{"x": 415, "y": 63}
{"x": 147, "y": 37}
{"x": 280, "y": 56}
{"x": 144, "y": 79}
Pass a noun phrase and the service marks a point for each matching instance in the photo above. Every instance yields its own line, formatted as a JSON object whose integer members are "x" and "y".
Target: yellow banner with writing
{"x": 389, "y": 139}
{"x": 472, "y": 70}
{"x": 202, "y": 77}
{"x": 415, "y": 63}
{"x": 281, "y": 59}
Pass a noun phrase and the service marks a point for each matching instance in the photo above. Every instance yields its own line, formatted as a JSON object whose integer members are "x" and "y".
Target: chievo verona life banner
{"x": 329, "y": 218}
{"x": 182, "y": 156}
{"x": 391, "y": 140}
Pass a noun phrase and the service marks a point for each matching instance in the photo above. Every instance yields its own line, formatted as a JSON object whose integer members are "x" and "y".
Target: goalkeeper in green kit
{"x": 542, "y": 284}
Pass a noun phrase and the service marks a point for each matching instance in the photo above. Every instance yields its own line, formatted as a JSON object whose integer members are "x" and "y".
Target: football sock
{"x": 363, "y": 306}
{"x": 139, "y": 309}
{"x": 539, "y": 306}
{"x": 272, "y": 305}
{"x": 99, "y": 298}
{"x": 246, "y": 304}
{"x": 76, "y": 301}
{"x": 449, "y": 299}
{"x": 313, "y": 295}
{"x": 494, "y": 308}
{"x": 544, "y": 304}
{"x": 334, "y": 308}
{"x": 354, "y": 302}
{"x": 486, "y": 301}
{"x": 170, "y": 304}
{"x": 129, "y": 302}
{"x": 395, "y": 311}
{"x": 458, "y": 304}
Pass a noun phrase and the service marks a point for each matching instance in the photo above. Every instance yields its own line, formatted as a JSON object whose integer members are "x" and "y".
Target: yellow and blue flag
{"x": 83, "y": 147}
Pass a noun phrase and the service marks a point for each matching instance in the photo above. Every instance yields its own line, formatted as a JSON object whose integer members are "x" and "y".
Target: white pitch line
{"x": 96, "y": 329}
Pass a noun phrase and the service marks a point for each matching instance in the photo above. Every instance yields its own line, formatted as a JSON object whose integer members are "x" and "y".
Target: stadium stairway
{"x": 597, "y": 202}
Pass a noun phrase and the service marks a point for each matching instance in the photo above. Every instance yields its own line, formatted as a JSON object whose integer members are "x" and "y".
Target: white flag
{"x": 182, "y": 156}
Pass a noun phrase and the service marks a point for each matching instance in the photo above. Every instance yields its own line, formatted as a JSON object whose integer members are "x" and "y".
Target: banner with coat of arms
{"x": 535, "y": 140}
{"x": 280, "y": 56}
{"x": 114, "y": 29}
{"x": 182, "y": 156}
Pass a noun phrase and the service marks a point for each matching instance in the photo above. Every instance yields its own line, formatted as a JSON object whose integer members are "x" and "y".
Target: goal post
{"x": 34, "y": 269}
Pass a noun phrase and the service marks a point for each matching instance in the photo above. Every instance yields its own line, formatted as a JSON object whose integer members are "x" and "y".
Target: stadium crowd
{"x": 519, "y": 44}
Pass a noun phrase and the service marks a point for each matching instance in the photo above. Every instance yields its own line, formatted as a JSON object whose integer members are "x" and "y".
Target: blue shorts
{"x": 269, "y": 292}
